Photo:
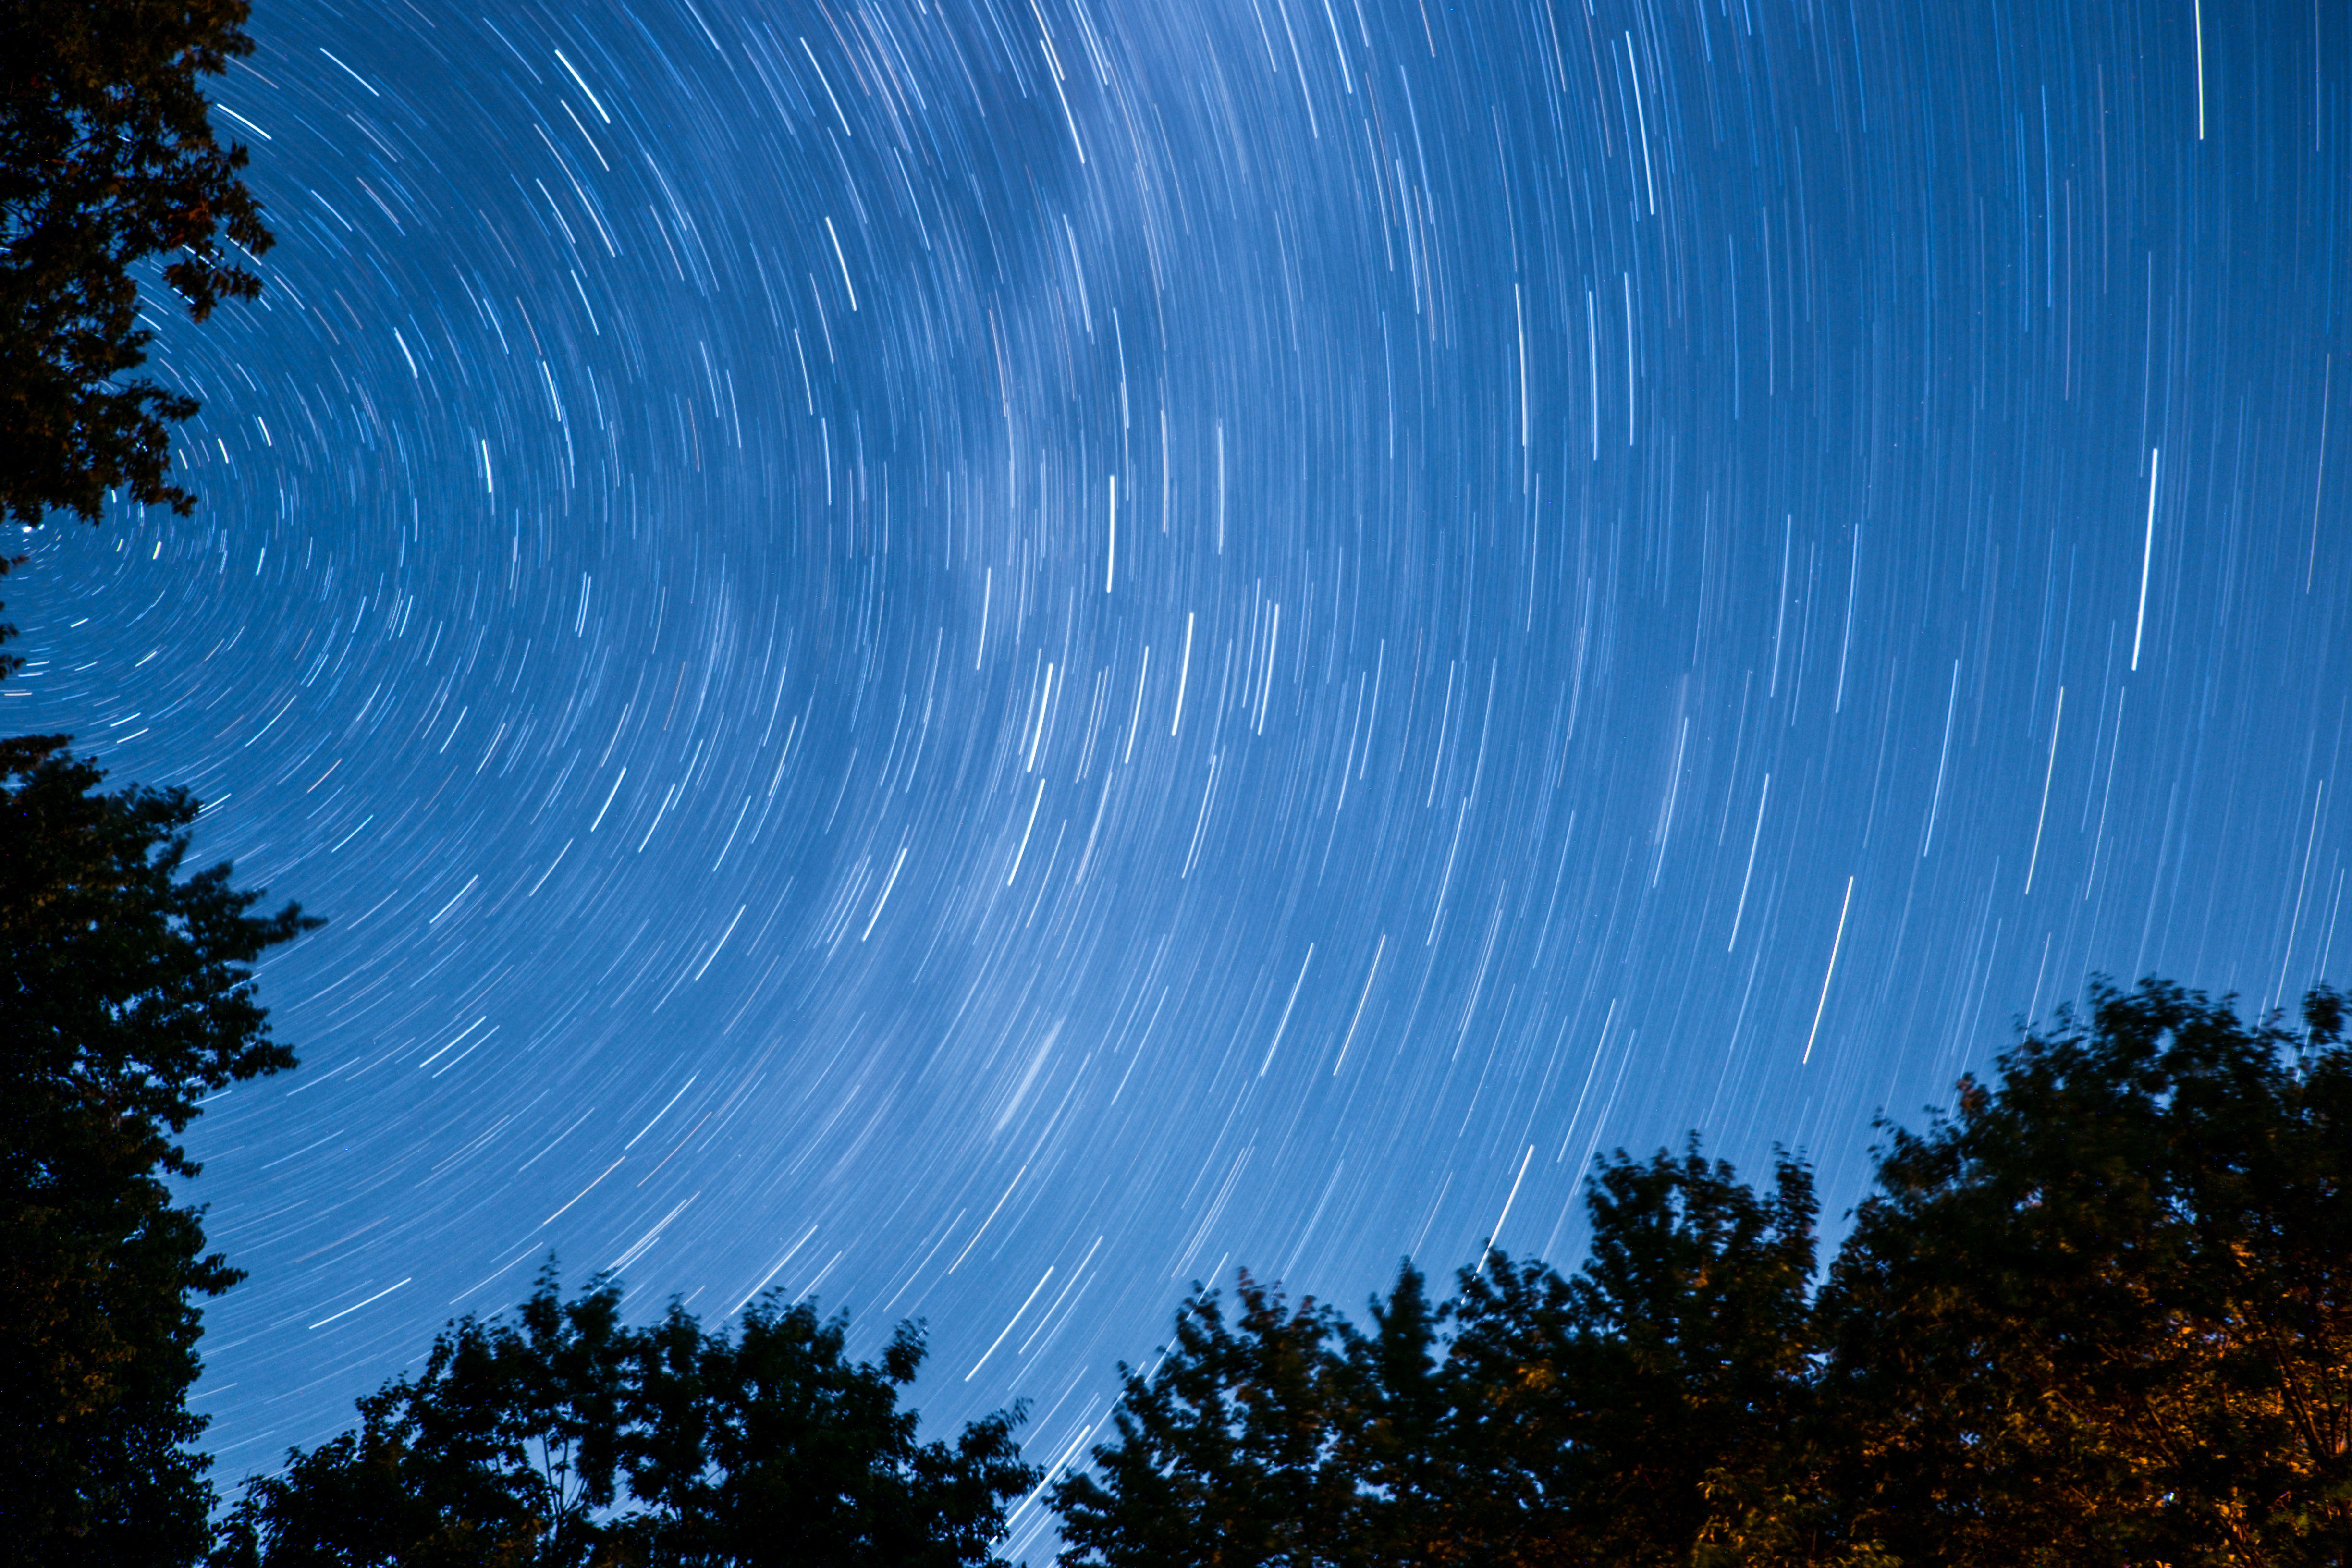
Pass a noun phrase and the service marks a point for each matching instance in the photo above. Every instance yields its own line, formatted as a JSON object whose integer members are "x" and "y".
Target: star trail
{"x": 977, "y": 660}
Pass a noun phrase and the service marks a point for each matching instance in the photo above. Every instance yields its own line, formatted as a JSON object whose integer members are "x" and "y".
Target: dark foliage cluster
{"x": 2100, "y": 1314}
{"x": 107, "y": 158}
{"x": 567, "y": 1438}
{"x": 108, "y": 161}
{"x": 126, "y": 994}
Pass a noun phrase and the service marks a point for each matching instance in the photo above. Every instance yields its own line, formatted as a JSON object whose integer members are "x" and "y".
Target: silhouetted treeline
{"x": 2100, "y": 1314}
{"x": 567, "y": 1438}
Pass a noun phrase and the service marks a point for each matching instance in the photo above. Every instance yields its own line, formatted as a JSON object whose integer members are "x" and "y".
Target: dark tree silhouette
{"x": 107, "y": 158}
{"x": 107, "y": 161}
{"x": 1393, "y": 1426}
{"x": 774, "y": 1447}
{"x": 502, "y": 1450}
{"x": 1224, "y": 1454}
{"x": 565, "y": 1439}
{"x": 125, "y": 996}
{"x": 1531, "y": 1420}
{"x": 2102, "y": 1313}
{"x": 1592, "y": 1417}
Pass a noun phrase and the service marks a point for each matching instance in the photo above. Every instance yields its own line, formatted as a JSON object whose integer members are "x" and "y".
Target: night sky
{"x": 980, "y": 660}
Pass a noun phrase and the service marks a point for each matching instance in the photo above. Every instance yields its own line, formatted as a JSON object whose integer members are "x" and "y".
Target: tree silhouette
{"x": 107, "y": 158}
{"x": 2099, "y": 1314}
{"x": 566, "y": 1438}
{"x": 1224, "y": 1454}
{"x": 2103, "y": 1312}
{"x": 1590, "y": 1416}
{"x": 774, "y": 1447}
{"x": 125, "y": 996}
{"x": 1533, "y": 1419}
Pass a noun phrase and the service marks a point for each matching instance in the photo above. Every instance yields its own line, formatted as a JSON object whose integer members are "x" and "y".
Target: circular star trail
{"x": 979, "y": 660}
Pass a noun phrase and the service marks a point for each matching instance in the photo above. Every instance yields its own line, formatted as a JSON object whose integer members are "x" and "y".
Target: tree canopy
{"x": 2102, "y": 1312}
{"x": 2098, "y": 1313}
{"x": 564, "y": 1438}
{"x": 126, "y": 992}
{"x": 108, "y": 159}
{"x": 1531, "y": 1420}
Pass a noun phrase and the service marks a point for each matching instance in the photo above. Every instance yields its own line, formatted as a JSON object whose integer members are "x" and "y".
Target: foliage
{"x": 2099, "y": 1314}
{"x": 1589, "y": 1414}
{"x": 1558, "y": 1421}
{"x": 107, "y": 158}
{"x": 518, "y": 1442}
{"x": 1225, "y": 1452}
{"x": 500, "y": 1451}
{"x": 1392, "y": 1427}
{"x": 125, "y": 996}
{"x": 2103, "y": 1312}
{"x": 776, "y": 1448}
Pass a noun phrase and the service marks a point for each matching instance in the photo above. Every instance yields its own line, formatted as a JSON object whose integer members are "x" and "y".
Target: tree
{"x": 1225, "y": 1452}
{"x": 1531, "y": 1420}
{"x": 775, "y": 1448}
{"x": 502, "y": 1450}
{"x": 2102, "y": 1313}
{"x": 1393, "y": 1417}
{"x": 107, "y": 159}
{"x": 525, "y": 1443}
{"x": 1592, "y": 1417}
{"x": 125, "y": 996}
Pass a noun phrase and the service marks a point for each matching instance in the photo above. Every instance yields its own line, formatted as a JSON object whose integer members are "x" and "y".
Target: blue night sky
{"x": 981, "y": 660}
